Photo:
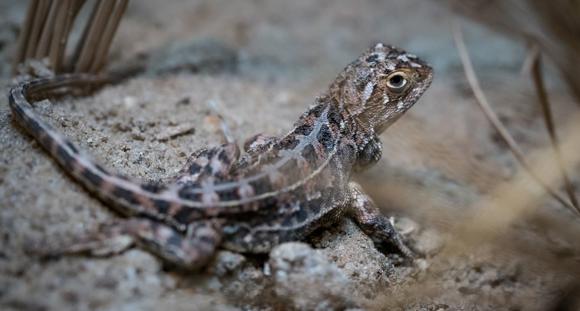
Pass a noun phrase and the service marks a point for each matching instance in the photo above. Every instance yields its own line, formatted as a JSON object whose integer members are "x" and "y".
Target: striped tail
{"x": 127, "y": 197}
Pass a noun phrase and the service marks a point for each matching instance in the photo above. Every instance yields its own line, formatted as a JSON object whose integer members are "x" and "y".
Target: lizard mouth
{"x": 426, "y": 75}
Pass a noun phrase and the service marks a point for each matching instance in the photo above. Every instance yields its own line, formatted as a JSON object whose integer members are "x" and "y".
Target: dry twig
{"x": 549, "y": 123}
{"x": 48, "y": 26}
{"x": 493, "y": 118}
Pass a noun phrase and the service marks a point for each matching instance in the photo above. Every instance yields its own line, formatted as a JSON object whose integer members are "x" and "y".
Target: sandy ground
{"x": 260, "y": 63}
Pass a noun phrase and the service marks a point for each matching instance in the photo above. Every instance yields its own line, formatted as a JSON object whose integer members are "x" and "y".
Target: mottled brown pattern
{"x": 280, "y": 189}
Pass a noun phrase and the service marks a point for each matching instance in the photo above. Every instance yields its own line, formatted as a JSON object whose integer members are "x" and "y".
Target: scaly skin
{"x": 280, "y": 189}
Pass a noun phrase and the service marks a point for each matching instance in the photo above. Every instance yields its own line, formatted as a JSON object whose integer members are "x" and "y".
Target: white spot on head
{"x": 390, "y": 66}
{"x": 403, "y": 58}
{"x": 385, "y": 99}
{"x": 368, "y": 91}
{"x": 415, "y": 65}
{"x": 381, "y": 56}
{"x": 411, "y": 56}
{"x": 400, "y": 105}
{"x": 379, "y": 46}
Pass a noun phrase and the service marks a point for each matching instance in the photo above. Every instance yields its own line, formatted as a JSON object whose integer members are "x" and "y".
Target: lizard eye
{"x": 397, "y": 81}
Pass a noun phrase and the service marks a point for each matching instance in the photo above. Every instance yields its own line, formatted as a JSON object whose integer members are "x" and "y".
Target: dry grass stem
{"x": 47, "y": 28}
{"x": 493, "y": 118}
{"x": 487, "y": 224}
{"x": 97, "y": 25}
{"x": 37, "y": 23}
{"x": 61, "y": 31}
{"x": 108, "y": 34}
{"x": 47, "y": 31}
{"x": 549, "y": 123}
{"x": 510, "y": 200}
{"x": 25, "y": 35}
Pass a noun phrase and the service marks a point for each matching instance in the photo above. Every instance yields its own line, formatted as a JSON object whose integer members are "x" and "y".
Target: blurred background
{"x": 493, "y": 238}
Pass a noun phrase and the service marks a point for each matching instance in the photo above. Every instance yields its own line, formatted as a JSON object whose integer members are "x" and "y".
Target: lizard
{"x": 279, "y": 189}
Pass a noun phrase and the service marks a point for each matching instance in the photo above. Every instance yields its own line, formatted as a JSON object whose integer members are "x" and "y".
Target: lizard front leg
{"x": 368, "y": 217}
{"x": 190, "y": 250}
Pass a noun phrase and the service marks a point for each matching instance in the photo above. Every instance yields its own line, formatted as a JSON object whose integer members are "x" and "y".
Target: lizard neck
{"x": 356, "y": 132}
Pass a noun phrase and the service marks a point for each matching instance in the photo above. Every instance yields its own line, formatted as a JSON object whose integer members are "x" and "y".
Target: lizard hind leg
{"x": 190, "y": 250}
{"x": 217, "y": 162}
{"x": 259, "y": 143}
{"x": 378, "y": 227}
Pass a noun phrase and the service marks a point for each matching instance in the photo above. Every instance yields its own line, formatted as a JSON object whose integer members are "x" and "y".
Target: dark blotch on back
{"x": 223, "y": 157}
{"x": 303, "y": 129}
{"x": 229, "y": 195}
{"x": 325, "y": 138}
{"x": 333, "y": 115}
{"x": 209, "y": 153}
{"x": 162, "y": 206}
{"x": 193, "y": 168}
{"x": 288, "y": 143}
{"x": 262, "y": 185}
{"x": 207, "y": 170}
{"x": 270, "y": 201}
{"x": 288, "y": 221}
{"x": 187, "y": 194}
{"x": 317, "y": 110}
{"x": 301, "y": 215}
{"x": 313, "y": 205}
{"x": 372, "y": 59}
{"x": 183, "y": 215}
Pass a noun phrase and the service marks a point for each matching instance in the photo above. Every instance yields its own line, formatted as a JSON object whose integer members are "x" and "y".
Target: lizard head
{"x": 381, "y": 85}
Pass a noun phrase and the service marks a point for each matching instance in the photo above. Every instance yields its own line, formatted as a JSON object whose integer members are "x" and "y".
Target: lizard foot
{"x": 378, "y": 227}
{"x": 188, "y": 250}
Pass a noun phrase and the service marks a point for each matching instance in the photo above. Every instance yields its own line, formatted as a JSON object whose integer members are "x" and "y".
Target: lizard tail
{"x": 162, "y": 202}
{"x": 127, "y": 197}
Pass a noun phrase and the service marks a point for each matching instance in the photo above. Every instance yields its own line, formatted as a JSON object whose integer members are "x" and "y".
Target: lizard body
{"x": 280, "y": 189}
